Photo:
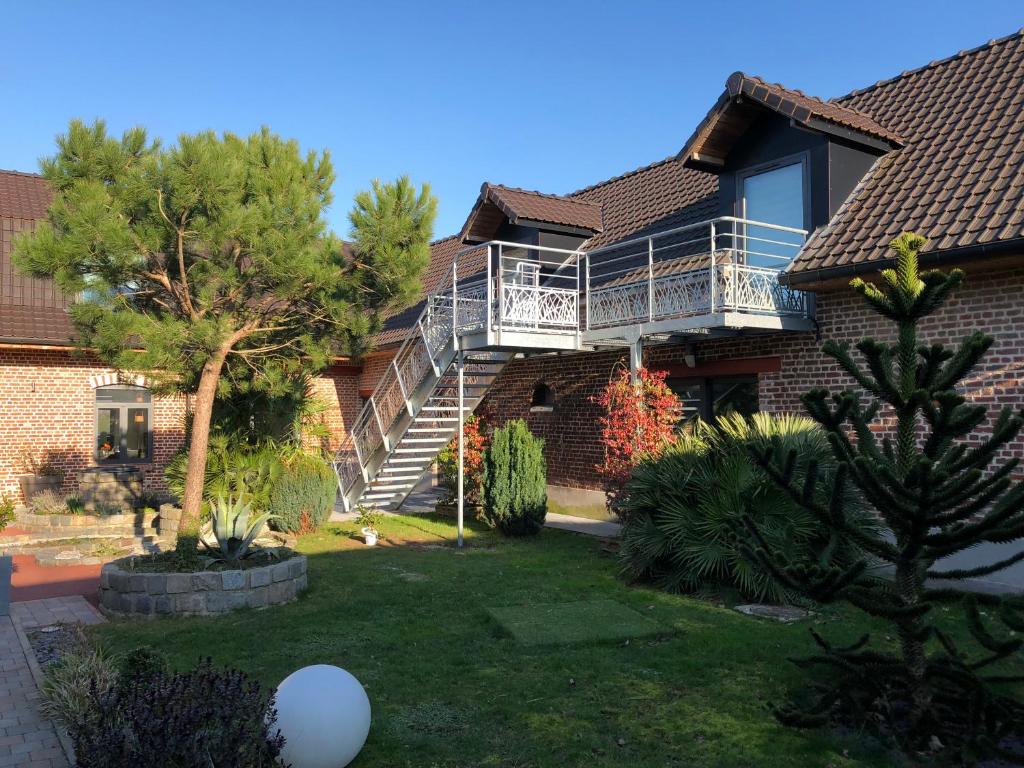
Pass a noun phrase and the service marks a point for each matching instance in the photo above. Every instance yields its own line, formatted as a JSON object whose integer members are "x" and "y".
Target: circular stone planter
{"x": 204, "y": 593}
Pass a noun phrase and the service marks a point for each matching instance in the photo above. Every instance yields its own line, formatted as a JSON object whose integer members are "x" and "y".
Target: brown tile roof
{"x": 23, "y": 195}
{"x": 741, "y": 103}
{"x": 31, "y": 311}
{"x": 497, "y": 202}
{"x": 959, "y": 181}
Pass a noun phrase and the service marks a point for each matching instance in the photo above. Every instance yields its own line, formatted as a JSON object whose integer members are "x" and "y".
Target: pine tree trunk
{"x": 202, "y": 411}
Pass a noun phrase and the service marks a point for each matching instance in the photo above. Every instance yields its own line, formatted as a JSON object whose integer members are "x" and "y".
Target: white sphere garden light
{"x": 324, "y": 715}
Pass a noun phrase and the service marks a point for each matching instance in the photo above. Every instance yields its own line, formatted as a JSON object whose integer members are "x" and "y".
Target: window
{"x": 124, "y": 418}
{"x": 773, "y": 196}
{"x": 543, "y": 398}
{"x": 711, "y": 398}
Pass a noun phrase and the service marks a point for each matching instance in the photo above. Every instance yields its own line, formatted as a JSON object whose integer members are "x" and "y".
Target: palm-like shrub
{"x": 303, "y": 497}
{"x": 233, "y": 468}
{"x": 515, "y": 481}
{"x": 684, "y": 509}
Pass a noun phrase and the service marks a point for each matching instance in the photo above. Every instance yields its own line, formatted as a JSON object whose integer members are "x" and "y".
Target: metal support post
{"x": 461, "y": 364}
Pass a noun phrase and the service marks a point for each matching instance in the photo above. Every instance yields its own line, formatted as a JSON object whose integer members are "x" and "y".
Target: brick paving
{"x": 27, "y": 738}
{"x": 32, "y": 581}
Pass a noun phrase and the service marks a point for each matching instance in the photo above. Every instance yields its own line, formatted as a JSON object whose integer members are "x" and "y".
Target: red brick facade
{"x": 47, "y": 400}
{"x": 337, "y": 387}
{"x": 988, "y": 301}
{"x": 47, "y": 404}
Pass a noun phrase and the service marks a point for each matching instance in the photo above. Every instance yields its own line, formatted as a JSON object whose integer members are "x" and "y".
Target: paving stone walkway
{"x": 422, "y": 502}
{"x": 26, "y": 737}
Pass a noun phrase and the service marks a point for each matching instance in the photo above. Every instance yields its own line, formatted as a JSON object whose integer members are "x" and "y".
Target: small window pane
{"x": 691, "y": 393}
{"x": 137, "y": 433}
{"x": 734, "y": 396}
{"x": 108, "y": 434}
{"x": 123, "y": 395}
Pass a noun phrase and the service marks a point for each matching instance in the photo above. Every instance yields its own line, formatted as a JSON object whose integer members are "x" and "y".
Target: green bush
{"x": 515, "y": 482}
{"x": 7, "y": 514}
{"x": 303, "y": 497}
{"x": 234, "y": 468}
{"x": 683, "y": 510}
{"x": 160, "y": 719}
{"x": 141, "y": 664}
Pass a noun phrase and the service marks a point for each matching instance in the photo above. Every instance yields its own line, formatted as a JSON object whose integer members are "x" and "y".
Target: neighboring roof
{"x": 746, "y": 97}
{"x": 442, "y": 255}
{"x": 959, "y": 181}
{"x": 497, "y": 203}
{"x": 31, "y": 311}
{"x": 23, "y": 195}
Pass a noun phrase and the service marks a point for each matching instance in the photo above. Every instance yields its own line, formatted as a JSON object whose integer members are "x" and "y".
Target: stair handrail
{"x": 369, "y": 413}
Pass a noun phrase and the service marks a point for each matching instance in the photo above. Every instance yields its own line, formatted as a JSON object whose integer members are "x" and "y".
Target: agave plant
{"x": 233, "y": 530}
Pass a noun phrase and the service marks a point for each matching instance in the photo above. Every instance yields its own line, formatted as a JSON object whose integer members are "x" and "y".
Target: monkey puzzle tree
{"x": 936, "y": 493}
{"x": 207, "y": 256}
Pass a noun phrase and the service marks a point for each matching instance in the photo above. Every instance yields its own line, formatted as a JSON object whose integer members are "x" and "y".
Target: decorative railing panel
{"x": 539, "y": 307}
{"x": 669, "y": 275}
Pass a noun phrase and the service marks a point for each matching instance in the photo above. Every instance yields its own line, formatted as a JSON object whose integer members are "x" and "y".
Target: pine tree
{"x": 936, "y": 493}
{"x": 206, "y": 258}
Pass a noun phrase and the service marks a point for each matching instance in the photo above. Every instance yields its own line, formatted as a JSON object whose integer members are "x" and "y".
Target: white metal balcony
{"x": 511, "y": 295}
{"x": 717, "y": 274}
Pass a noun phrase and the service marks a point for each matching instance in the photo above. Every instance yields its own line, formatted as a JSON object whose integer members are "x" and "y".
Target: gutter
{"x": 946, "y": 256}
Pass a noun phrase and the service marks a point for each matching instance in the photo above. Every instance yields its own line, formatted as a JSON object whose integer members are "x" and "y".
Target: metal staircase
{"x": 499, "y": 298}
{"x": 435, "y": 423}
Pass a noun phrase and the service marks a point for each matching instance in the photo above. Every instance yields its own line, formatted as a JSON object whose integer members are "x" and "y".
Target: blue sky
{"x": 544, "y": 95}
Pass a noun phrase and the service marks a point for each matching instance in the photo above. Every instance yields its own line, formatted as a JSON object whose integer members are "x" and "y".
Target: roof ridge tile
{"x": 995, "y": 41}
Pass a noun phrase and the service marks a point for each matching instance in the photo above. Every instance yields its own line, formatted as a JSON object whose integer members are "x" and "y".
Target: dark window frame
{"x": 706, "y": 409}
{"x": 803, "y": 158}
{"x": 123, "y": 408}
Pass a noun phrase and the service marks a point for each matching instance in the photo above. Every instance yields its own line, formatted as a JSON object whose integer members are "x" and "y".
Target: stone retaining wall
{"x": 206, "y": 593}
{"x": 82, "y": 525}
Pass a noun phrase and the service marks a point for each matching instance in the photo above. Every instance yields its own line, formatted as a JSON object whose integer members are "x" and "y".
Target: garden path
{"x": 27, "y": 738}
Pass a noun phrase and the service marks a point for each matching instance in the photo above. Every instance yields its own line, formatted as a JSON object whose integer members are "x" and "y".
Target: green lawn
{"x": 418, "y": 623}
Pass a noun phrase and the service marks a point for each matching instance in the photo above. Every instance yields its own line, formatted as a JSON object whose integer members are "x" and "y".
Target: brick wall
{"x": 47, "y": 404}
{"x": 338, "y": 388}
{"x": 989, "y": 302}
{"x": 373, "y": 367}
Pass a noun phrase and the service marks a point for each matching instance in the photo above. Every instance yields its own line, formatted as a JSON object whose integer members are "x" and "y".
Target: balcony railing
{"x": 723, "y": 265}
{"x": 513, "y": 287}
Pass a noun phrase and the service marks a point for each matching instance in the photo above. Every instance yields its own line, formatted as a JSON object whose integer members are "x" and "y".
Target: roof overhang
{"x": 747, "y": 98}
{"x": 1007, "y": 252}
{"x": 496, "y": 205}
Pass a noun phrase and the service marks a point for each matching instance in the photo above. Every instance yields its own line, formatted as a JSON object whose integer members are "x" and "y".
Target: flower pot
{"x": 369, "y": 536}
{"x": 33, "y": 484}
